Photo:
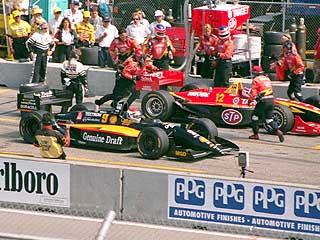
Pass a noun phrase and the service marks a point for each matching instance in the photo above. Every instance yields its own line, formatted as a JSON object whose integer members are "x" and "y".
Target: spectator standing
{"x": 36, "y": 19}
{"x": 85, "y": 32}
{"x": 137, "y": 30}
{"x": 224, "y": 54}
{"x": 262, "y": 93}
{"x": 19, "y": 32}
{"x": 106, "y": 33}
{"x": 122, "y": 47}
{"x": 142, "y": 17}
{"x": 41, "y": 45}
{"x": 55, "y": 22}
{"x": 293, "y": 63}
{"x": 159, "y": 16}
{"x": 95, "y": 19}
{"x": 160, "y": 48}
{"x": 65, "y": 39}
{"x": 74, "y": 78}
{"x": 316, "y": 64}
{"x": 73, "y": 13}
{"x": 125, "y": 85}
{"x": 208, "y": 48}
{"x": 49, "y": 140}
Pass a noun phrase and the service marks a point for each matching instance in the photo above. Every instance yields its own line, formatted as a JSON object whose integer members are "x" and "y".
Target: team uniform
{"x": 40, "y": 43}
{"x": 261, "y": 91}
{"x": 120, "y": 49}
{"x": 224, "y": 53}
{"x": 125, "y": 82}
{"x": 316, "y": 64}
{"x": 74, "y": 77}
{"x": 160, "y": 48}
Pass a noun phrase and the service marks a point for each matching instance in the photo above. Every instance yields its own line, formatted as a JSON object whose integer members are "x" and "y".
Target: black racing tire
{"x": 272, "y": 50}
{"x": 153, "y": 143}
{"x": 193, "y": 86}
{"x": 85, "y": 106}
{"x": 272, "y": 37}
{"x": 29, "y": 124}
{"x": 283, "y": 117}
{"x": 205, "y": 127}
{"x": 158, "y": 105}
{"x": 89, "y": 55}
{"x": 33, "y": 87}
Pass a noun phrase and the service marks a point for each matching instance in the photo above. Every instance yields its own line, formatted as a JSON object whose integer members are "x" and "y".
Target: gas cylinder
{"x": 293, "y": 30}
{"x": 301, "y": 39}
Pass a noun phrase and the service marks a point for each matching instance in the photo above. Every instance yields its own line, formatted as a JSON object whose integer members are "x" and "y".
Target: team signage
{"x": 34, "y": 182}
{"x": 243, "y": 203}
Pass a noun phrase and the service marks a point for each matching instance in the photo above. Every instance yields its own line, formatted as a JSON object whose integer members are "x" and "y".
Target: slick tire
{"x": 33, "y": 87}
{"x": 158, "y": 105}
{"x": 205, "y": 127}
{"x": 30, "y": 124}
{"x": 193, "y": 86}
{"x": 153, "y": 143}
{"x": 272, "y": 37}
{"x": 85, "y": 106}
{"x": 284, "y": 118}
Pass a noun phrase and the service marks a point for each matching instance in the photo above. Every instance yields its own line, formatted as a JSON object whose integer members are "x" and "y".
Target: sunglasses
{"x": 136, "y": 19}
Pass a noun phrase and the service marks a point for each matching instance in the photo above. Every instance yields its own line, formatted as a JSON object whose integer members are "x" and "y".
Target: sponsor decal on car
{"x": 102, "y": 139}
{"x": 198, "y": 94}
{"x": 231, "y": 116}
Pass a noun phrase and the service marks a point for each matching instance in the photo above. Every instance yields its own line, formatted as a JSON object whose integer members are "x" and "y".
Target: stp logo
{"x": 307, "y": 204}
{"x": 269, "y": 200}
{"x": 189, "y": 191}
{"x": 231, "y": 116}
{"x": 228, "y": 195}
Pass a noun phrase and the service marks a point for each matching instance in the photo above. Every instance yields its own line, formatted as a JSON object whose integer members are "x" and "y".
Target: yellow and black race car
{"x": 122, "y": 129}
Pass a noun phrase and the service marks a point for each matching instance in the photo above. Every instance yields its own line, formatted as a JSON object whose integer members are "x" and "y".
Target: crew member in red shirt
{"x": 225, "y": 53}
{"x": 160, "y": 48}
{"x": 261, "y": 92}
{"x": 208, "y": 49}
{"x": 316, "y": 64}
{"x": 293, "y": 63}
{"x": 125, "y": 85}
{"x": 122, "y": 47}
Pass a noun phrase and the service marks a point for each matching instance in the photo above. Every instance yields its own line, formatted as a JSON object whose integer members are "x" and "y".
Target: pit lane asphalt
{"x": 296, "y": 160}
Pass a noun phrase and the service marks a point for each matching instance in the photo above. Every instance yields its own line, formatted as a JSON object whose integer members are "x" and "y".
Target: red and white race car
{"x": 228, "y": 107}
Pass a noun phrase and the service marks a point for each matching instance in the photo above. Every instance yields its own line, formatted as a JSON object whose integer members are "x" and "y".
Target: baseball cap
{"x": 16, "y": 13}
{"x": 158, "y": 13}
{"x": 86, "y": 14}
{"x": 76, "y": 2}
{"x": 106, "y": 19}
{"x": 37, "y": 10}
{"x": 56, "y": 10}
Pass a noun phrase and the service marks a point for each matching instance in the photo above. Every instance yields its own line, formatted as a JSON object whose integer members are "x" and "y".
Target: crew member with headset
{"x": 160, "y": 48}
{"x": 74, "y": 78}
{"x": 49, "y": 140}
{"x": 261, "y": 92}
{"x": 41, "y": 44}
{"x": 225, "y": 52}
{"x": 125, "y": 85}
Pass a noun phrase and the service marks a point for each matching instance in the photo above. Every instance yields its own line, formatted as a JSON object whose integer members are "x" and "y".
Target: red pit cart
{"x": 153, "y": 81}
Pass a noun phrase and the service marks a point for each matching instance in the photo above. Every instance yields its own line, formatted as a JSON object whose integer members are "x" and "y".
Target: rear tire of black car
{"x": 193, "y": 86}
{"x": 205, "y": 127}
{"x": 29, "y": 124}
{"x": 158, "y": 105}
{"x": 153, "y": 143}
{"x": 283, "y": 117}
{"x": 85, "y": 106}
{"x": 33, "y": 87}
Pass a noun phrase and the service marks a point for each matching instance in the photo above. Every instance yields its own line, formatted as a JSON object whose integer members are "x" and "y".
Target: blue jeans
{"x": 104, "y": 57}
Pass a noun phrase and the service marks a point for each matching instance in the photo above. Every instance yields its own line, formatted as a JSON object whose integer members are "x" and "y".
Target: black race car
{"x": 121, "y": 129}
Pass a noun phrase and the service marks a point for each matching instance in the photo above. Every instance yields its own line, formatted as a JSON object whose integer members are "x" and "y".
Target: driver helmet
{"x": 160, "y": 31}
{"x": 224, "y": 32}
{"x": 256, "y": 70}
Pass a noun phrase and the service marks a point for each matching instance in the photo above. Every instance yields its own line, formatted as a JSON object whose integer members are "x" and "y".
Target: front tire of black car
{"x": 153, "y": 143}
{"x": 158, "y": 105}
{"x": 30, "y": 124}
{"x": 204, "y": 127}
{"x": 283, "y": 117}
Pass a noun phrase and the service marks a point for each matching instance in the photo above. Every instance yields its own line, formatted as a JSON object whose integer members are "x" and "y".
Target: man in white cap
{"x": 159, "y": 16}
{"x": 73, "y": 13}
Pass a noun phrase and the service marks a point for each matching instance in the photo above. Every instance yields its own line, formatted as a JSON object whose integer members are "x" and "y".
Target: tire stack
{"x": 272, "y": 49}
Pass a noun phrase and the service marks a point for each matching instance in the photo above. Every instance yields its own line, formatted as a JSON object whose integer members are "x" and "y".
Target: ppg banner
{"x": 244, "y": 203}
